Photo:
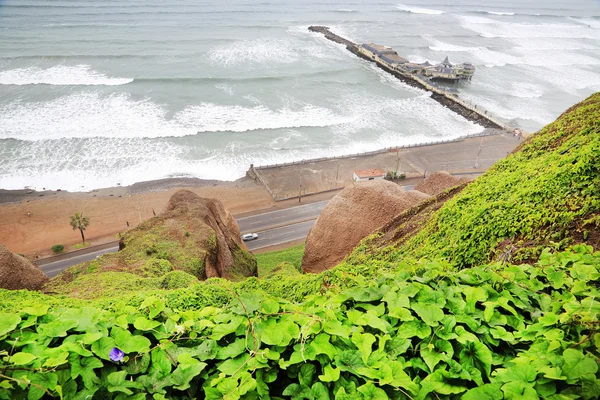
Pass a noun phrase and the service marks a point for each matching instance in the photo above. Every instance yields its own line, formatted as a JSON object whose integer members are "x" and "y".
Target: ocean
{"x": 99, "y": 93}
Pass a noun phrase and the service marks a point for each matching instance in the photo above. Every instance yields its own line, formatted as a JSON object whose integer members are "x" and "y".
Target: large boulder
{"x": 350, "y": 216}
{"x": 17, "y": 272}
{"x": 438, "y": 182}
{"x": 193, "y": 235}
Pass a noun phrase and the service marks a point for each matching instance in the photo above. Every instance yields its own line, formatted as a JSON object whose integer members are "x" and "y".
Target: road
{"x": 273, "y": 228}
{"x": 262, "y": 222}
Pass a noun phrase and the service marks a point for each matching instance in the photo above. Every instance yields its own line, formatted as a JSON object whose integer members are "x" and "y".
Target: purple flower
{"x": 116, "y": 354}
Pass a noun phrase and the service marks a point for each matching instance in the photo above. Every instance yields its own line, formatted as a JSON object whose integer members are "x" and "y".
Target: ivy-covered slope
{"x": 422, "y": 332}
{"x": 547, "y": 193}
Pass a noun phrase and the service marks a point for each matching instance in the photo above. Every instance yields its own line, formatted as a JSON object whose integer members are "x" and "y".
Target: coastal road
{"x": 273, "y": 228}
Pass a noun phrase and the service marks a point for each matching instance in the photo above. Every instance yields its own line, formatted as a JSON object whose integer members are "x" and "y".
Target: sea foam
{"x": 59, "y": 75}
{"x": 418, "y": 10}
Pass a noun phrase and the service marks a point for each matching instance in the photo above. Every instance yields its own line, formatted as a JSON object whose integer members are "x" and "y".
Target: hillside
{"x": 545, "y": 194}
{"x": 486, "y": 291}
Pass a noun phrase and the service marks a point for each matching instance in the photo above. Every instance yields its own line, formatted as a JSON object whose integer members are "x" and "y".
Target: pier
{"x": 450, "y": 100}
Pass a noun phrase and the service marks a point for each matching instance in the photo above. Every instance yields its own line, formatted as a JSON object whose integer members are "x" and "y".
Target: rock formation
{"x": 354, "y": 213}
{"x": 195, "y": 235}
{"x": 438, "y": 182}
{"x": 17, "y": 272}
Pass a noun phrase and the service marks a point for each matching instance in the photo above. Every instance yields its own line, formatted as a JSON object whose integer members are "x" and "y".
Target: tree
{"x": 78, "y": 221}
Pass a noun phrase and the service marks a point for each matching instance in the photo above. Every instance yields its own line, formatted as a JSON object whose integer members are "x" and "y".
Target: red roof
{"x": 370, "y": 173}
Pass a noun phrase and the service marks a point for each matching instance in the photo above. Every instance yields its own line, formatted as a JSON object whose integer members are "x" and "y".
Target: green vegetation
{"x": 57, "y": 248}
{"x": 268, "y": 261}
{"x": 78, "y": 221}
{"x": 544, "y": 195}
{"x": 80, "y": 245}
{"x": 422, "y": 332}
{"x": 495, "y": 297}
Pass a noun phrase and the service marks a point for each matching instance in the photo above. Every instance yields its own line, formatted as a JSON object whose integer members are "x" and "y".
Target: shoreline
{"x": 31, "y": 222}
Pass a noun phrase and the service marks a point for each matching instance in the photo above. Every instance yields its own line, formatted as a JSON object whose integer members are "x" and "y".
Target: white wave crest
{"x": 500, "y": 13}
{"x": 119, "y": 116}
{"x": 59, "y": 75}
{"x": 208, "y": 117}
{"x": 490, "y": 28}
{"x": 418, "y": 10}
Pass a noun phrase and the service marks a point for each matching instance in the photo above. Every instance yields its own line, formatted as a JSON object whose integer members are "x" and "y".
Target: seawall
{"x": 469, "y": 111}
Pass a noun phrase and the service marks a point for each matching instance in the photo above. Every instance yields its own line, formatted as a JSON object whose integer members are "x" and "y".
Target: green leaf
{"x": 401, "y": 379}
{"x": 8, "y": 322}
{"x": 278, "y": 333}
{"x": 233, "y": 366}
{"x": 491, "y": 391}
{"x": 440, "y": 382}
{"x": 330, "y": 374}
{"x": 321, "y": 345}
{"x": 397, "y": 346}
{"x": 160, "y": 363}
{"x": 335, "y": 327}
{"x": 306, "y": 374}
{"x": 233, "y": 350}
{"x": 22, "y": 358}
{"x": 222, "y": 330}
{"x": 184, "y": 373}
{"x": 364, "y": 343}
{"x": 433, "y": 353}
{"x": 429, "y": 313}
{"x": 480, "y": 356}
{"x": 85, "y": 367}
{"x": 319, "y": 391}
{"x": 577, "y": 365}
{"x": 590, "y": 387}
{"x": 414, "y": 328}
{"x": 519, "y": 390}
{"x": 57, "y": 328}
{"x": 103, "y": 347}
{"x": 144, "y": 324}
{"x": 522, "y": 373}
{"x": 370, "y": 392}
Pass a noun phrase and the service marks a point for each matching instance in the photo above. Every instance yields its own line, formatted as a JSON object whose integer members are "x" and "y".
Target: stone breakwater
{"x": 447, "y": 99}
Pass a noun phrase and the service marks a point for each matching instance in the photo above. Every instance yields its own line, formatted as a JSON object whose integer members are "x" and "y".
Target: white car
{"x": 249, "y": 236}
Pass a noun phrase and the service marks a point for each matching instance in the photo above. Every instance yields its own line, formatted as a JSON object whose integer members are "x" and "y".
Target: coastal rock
{"x": 17, "y": 272}
{"x": 226, "y": 253}
{"x": 194, "y": 235}
{"x": 350, "y": 216}
{"x": 438, "y": 182}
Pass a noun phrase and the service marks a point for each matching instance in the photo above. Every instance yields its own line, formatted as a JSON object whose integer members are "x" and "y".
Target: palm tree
{"x": 78, "y": 221}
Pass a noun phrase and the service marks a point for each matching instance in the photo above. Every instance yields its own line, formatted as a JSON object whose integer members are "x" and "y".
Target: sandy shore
{"x": 31, "y": 222}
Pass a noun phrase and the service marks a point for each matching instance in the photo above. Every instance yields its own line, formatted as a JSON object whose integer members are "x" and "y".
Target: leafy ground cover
{"x": 267, "y": 262}
{"x": 424, "y": 331}
{"x": 547, "y": 193}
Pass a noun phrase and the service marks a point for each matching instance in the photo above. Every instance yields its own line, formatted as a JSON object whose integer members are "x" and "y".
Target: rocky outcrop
{"x": 17, "y": 272}
{"x": 193, "y": 234}
{"x": 438, "y": 182}
{"x": 227, "y": 255}
{"x": 350, "y": 216}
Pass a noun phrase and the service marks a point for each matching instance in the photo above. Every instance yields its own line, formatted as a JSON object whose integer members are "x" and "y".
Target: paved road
{"x": 281, "y": 235}
{"x": 56, "y": 267}
{"x": 264, "y": 221}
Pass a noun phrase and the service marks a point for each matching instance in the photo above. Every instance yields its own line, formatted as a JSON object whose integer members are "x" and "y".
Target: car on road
{"x": 249, "y": 236}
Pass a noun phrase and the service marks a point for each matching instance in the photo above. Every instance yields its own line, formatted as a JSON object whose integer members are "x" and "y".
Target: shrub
{"x": 58, "y": 248}
{"x": 177, "y": 280}
{"x": 497, "y": 331}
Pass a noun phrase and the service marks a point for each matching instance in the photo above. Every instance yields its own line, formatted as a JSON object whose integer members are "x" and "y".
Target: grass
{"x": 80, "y": 246}
{"x": 544, "y": 195}
{"x": 268, "y": 261}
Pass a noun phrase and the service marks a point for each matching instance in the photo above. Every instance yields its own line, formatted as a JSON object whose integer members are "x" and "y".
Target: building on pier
{"x": 389, "y": 57}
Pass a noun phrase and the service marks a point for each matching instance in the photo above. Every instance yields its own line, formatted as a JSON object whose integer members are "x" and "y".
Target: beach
{"x": 31, "y": 221}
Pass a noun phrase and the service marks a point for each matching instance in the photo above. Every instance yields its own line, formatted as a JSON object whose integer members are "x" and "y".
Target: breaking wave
{"x": 418, "y": 10}
{"x": 59, "y": 75}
